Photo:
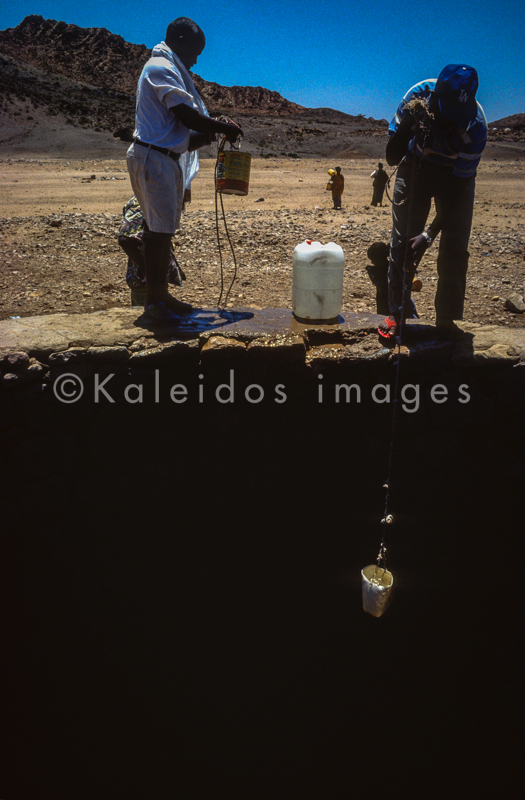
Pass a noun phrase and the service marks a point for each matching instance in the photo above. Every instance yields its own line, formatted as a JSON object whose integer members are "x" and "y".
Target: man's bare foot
{"x": 176, "y": 306}
{"x": 448, "y": 329}
{"x": 158, "y": 314}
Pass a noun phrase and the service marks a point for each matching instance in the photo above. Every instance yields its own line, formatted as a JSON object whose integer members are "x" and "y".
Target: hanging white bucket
{"x": 378, "y": 587}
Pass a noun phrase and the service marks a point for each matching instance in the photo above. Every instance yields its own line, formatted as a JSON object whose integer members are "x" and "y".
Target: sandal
{"x": 388, "y": 328}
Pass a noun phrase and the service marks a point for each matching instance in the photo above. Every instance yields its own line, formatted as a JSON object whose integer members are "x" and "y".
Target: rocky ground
{"x": 59, "y": 251}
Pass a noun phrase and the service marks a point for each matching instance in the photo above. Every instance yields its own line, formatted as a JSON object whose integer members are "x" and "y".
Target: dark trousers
{"x": 454, "y": 199}
{"x": 377, "y": 196}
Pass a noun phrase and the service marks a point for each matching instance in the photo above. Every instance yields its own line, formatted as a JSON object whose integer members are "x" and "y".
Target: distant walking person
{"x": 379, "y": 182}
{"x": 337, "y": 182}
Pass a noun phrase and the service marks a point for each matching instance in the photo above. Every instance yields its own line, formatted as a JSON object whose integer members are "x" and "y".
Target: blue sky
{"x": 359, "y": 59}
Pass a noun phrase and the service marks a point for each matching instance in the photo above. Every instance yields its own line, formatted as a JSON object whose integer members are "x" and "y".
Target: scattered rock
{"x": 111, "y": 355}
{"x": 74, "y": 354}
{"x": 34, "y": 372}
{"x": 16, "y": 362}
{"x": 9, "y": 379}
{"x": 515, "y": 303}
{"x": 220, "y": 349}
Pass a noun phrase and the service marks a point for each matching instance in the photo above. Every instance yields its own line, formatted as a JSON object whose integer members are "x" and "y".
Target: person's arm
{"x": 434, "y": 228}
{"x": 202, "y": 124}
{"x": 422, "y": 242}
{"x": 397, "y": 145}
{"x": 200, "y": 140}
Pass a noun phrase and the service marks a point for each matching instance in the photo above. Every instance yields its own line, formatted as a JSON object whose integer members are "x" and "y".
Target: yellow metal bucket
{"x": 233, "y": 172}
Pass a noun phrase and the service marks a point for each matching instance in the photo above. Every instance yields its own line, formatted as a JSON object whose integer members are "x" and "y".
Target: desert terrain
{"x": 61, "y": 216}
{"x": 63, "y": 183}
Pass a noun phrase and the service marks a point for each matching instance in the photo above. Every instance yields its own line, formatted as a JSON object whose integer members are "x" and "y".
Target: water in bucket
{"x": 317, "y": 291}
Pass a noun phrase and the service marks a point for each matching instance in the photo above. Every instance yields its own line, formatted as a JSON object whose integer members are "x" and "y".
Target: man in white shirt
{"x": 171, "y": 123}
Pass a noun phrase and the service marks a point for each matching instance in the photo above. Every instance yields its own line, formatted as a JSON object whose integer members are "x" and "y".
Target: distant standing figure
{"x": 380, "y": 180}
{"x": 338, "y": 187}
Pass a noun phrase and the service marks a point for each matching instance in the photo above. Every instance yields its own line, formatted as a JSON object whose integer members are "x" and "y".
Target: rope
{"x": 392, "y": 202}
{"x": 217, "y": 229}
{"x": 419, "y": 107}
{"x": 415, "y": 165}
{"x": 220, "y": 148}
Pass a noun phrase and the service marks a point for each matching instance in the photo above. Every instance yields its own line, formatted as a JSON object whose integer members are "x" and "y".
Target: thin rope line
{"x": 217, "y": 227}
{"x": 220, "y": 148}
{"x": 389, "y": 179}
{"x": 232, "y": 251}
{"x": 415, "y": 166}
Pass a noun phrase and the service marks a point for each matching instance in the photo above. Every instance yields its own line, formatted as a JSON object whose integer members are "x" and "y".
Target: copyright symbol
{"x": 68, "y": 388}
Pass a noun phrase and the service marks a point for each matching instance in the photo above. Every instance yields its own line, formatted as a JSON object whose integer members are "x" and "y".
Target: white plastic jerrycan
{"x": 317, "y": 290}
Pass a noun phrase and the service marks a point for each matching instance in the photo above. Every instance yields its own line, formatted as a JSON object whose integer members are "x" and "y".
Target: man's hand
{"x": 419, "y": 245}
{"x": 408, "y": 122}
{"x": 233, "y": 133}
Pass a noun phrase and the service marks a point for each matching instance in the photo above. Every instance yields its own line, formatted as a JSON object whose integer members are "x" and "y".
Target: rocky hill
{"x": 89, "y": 55}
{"x": 85, "y": 78}
{"x": 508, "y": 129}
{"x": 515, "y": 122}
{"x": 80, "y": 83}
{"x": 104, "y": 60}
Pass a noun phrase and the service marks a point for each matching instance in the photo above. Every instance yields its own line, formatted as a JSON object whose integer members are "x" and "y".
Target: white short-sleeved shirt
{"x": 160, "y": 88}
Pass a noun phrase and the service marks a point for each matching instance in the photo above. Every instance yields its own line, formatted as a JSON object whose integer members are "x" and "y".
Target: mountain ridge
{"x": 106, "y": 61}
{"x": 81, "y": 82}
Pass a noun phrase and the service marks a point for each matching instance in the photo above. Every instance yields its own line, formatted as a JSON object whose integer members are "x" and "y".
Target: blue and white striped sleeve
{"x": 474, "y": 142}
